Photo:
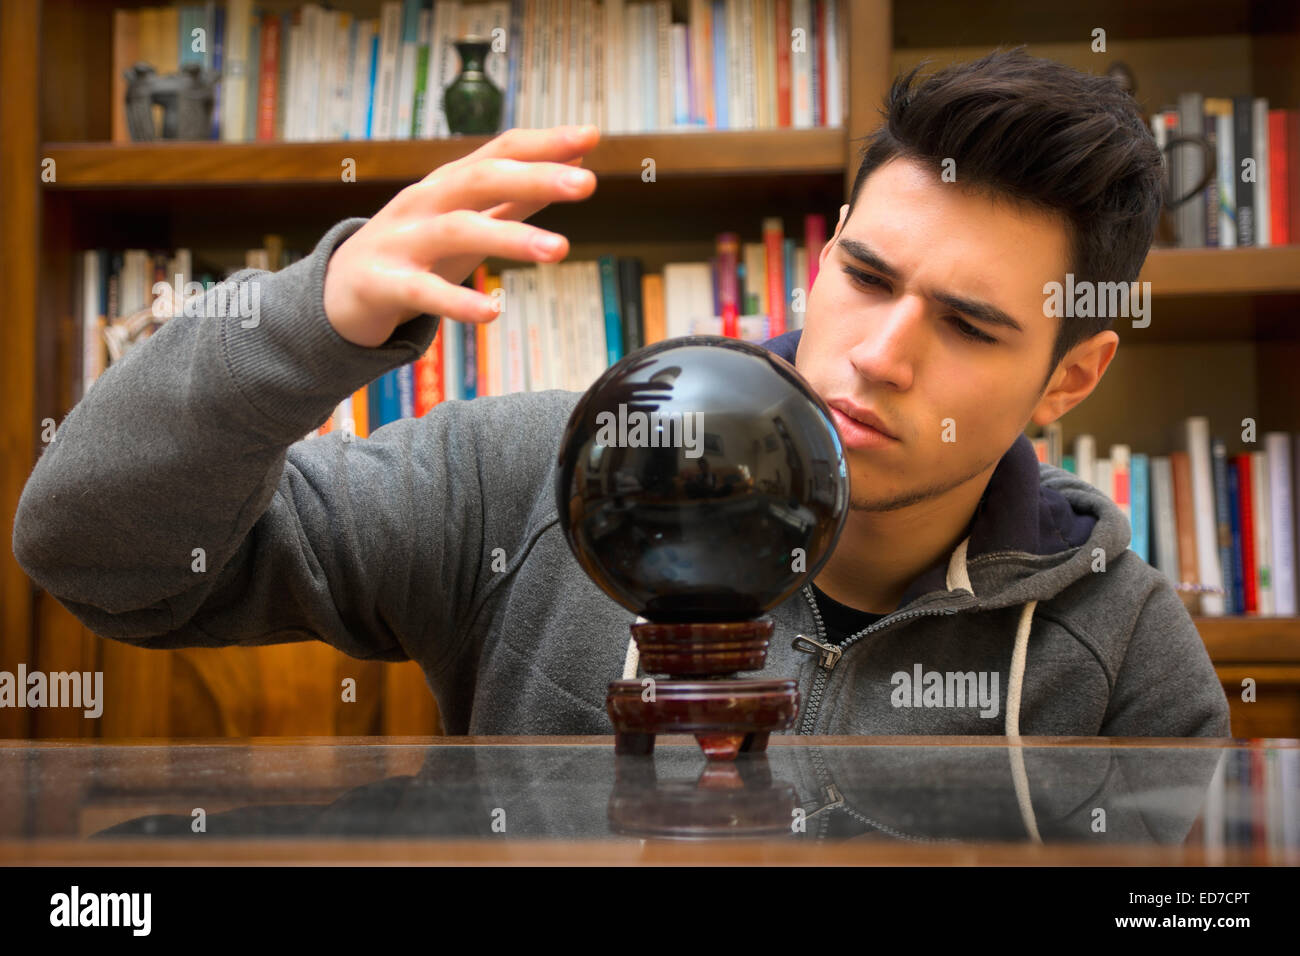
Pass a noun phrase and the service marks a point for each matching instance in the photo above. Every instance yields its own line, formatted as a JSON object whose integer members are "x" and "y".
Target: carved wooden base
{"x": 727, "y": 717}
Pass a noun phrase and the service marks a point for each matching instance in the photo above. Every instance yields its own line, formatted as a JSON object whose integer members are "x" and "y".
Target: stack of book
{"x": 124, "y": 295}
{"x": 562, "y": 324}
{"x": 1253, "y": 194}
{"x": 1223, "y": 528}
{"x": 322, "y": 74}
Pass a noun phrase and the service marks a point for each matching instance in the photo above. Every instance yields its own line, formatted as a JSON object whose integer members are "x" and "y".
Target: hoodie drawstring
{"x": 633, "y": 659}
{"x": 958, "y": 578}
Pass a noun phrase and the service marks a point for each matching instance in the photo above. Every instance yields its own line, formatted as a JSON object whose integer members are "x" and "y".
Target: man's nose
{"x": 887, "y": 350}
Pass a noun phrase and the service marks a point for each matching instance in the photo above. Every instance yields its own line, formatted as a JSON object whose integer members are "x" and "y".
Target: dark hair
{"x": 1043, "y": 134}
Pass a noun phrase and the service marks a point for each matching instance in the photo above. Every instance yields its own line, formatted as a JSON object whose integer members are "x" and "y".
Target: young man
{"x": 972, "y": 591}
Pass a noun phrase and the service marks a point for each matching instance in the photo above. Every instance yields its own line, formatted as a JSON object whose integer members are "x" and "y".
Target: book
{"x": 1277, "y": 448}
{"x": 1223, "y": 524}
{"x": 1244, "y": 140}
{"x": 1165, "y": 532}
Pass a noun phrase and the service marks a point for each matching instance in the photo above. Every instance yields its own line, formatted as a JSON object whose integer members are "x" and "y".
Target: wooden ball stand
{"x": 700, "y": 694}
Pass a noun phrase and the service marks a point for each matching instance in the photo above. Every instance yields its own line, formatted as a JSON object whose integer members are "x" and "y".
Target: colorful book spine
{"x": 1234, "y": 556}
{"x": 728, "y": 245}
{"x": 773, "y": 245}
{"x": 1223, "y": 522}
{"x": 611, "y": 300}
{"x": 1244, "y": 540}
{"x": 1140, "y": 497}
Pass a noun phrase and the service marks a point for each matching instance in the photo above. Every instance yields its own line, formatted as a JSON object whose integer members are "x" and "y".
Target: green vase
{"x": 471, "y": 102}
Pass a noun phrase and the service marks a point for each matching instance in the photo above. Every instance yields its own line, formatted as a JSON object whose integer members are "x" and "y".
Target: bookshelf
{"x": 1225, "y": 340}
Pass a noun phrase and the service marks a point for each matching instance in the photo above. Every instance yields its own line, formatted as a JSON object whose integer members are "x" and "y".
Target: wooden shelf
{"x": 1187, "y": 272}
{"x": 950, "y": 23}
{"x": 1230, "y": 640}
{"x": 206, "y": 163}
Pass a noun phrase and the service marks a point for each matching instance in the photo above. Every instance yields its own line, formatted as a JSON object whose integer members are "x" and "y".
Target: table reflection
{"x": 985, "y": 793}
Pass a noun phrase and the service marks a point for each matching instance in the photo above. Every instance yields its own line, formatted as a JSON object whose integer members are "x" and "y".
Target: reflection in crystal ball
{"x": 701, "y": 479}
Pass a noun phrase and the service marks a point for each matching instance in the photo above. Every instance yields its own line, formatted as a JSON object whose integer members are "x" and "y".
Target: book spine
{"x": 1197, "y": 430}
{"x": 1226, "y": 179}
{"x": 681, "y": 85}
{"x": 1259, "y": 137}
{"x": 728, "y": 246}
{"x": 1211, "y": 195}
{"x": 1263, "y": 538}
{"x": 418, "y": 104}
{"x": 1292, "y": 157}
{"x": 1162, "y": 512}
{"x": 835, "y": 85}
{"x": 407, "y": 57}
{"x": 406, "y": 391}
{"x": 1140, "y": 496}
{"x": 1185, "y": 510}
{"x": 652, "y": 295}
{"x": 781, "y": 38}
{"x": 514, "y": 57}
{"x": 1277, "y": 445}
{"x": 373, "y": 84}
{"x": 217, "y": 39}
{"x": 1279, "y": 178}
{"x": 631, "y": 303}
{"x": 612, "y": 306}
{"x": 268, "y": 83}
{"x": 774, "y": 240}
{"x": 817, "y": 66}
{"x": 1223, "y": 523}
{"x": 1235, "y": 555}
{"x": 1191, "y": 214}
{"x": 453, "y": 334}
{"x": 1244, "y": 536}
{"x": 721, "y": 91}
{"x": 1244, "y": 143}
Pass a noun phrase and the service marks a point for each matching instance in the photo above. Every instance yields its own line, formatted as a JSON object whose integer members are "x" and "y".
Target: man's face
{"x": 939, "y": 262}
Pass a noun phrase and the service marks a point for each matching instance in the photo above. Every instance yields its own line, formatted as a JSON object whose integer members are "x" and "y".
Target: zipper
{"x": 835, "y": 801}
{"x": 830, "y": 654}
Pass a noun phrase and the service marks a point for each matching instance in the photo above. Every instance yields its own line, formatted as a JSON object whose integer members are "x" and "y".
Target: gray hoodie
{"x": 436, "y": 539}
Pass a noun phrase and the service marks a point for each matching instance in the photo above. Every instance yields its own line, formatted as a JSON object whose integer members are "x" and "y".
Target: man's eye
{"x": 862, "y": 278}
{"x": 966, "y": 330}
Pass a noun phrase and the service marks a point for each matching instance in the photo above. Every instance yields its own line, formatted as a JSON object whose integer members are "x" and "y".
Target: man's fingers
{"x": 558, "y": 144}
{"x": 520, "y": 210}
{"x": 463, "y": 234}
{"x": 494, "y": 181}
{"x": 425, "y": 292}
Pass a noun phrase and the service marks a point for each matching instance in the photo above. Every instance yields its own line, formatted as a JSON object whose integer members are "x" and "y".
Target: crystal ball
{"x": 701, "y": 479}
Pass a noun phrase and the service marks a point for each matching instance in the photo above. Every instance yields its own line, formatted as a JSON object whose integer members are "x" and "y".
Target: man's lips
{"x": 861, "y": 415}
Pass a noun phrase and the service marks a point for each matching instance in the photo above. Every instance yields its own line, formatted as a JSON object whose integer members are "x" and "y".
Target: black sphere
{"x": 701, "y": 479}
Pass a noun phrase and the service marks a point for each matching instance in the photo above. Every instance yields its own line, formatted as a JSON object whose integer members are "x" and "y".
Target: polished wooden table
{"x": 548, "y": 800}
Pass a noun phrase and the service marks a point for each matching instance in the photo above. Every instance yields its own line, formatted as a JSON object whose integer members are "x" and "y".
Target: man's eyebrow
{"x": 868, "y": 256}
{"x": 974, "y": 308}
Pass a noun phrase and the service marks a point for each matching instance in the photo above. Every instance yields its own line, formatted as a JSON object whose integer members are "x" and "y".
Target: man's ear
{"x": 1076, "y": 376}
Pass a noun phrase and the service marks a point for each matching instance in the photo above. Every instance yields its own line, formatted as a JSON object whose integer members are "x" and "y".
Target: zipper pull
{"x": 832, "y": 798}
{"x": 829, "y": 653}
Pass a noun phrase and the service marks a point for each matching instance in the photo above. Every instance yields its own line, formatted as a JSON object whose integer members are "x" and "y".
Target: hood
{"x": 1030, "y": 508}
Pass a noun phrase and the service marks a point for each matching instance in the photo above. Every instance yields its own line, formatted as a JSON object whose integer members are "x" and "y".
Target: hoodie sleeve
{"x": 178, "y": 506}
{"x": 1167, "y": 685}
